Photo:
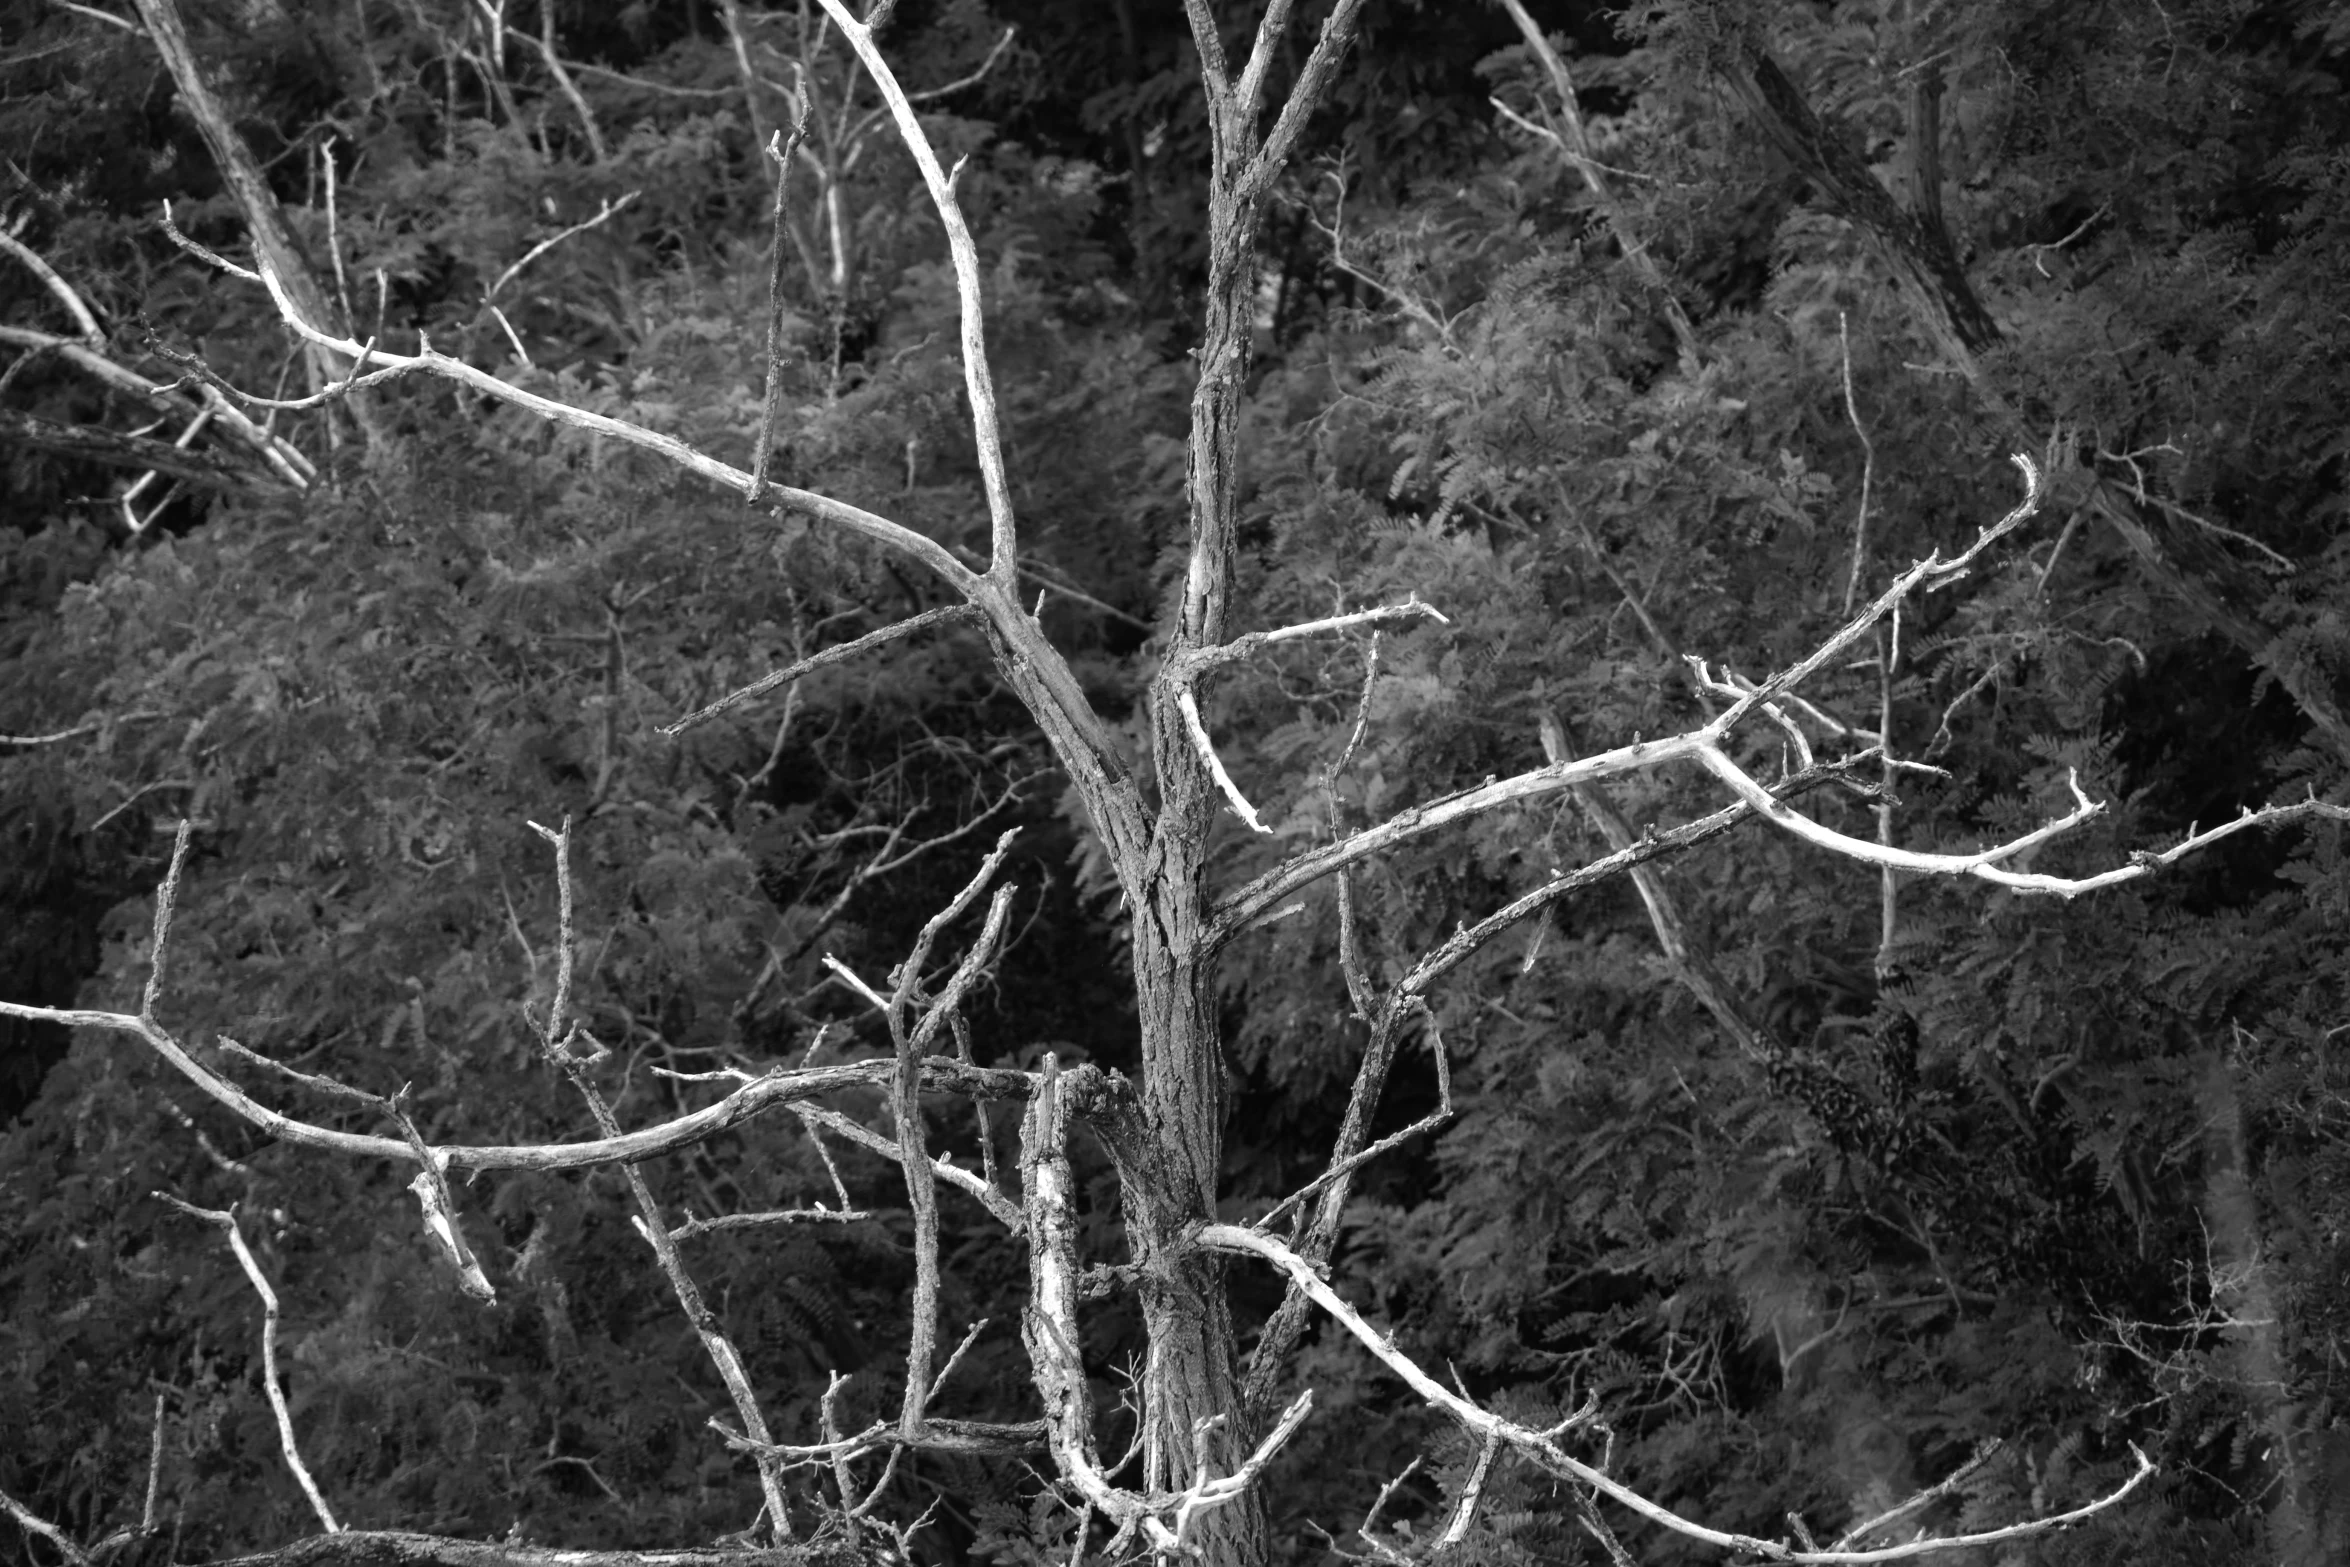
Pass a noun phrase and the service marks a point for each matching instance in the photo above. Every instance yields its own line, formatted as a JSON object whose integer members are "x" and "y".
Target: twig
{"x": 334, "y": 239}
{"x": 1576, "y": 145}
{"x": 607, "y": 211}
{"x": 75, "y": 733}
{"x": 743, "y": 1221}
{"x": 165, "y": 897}
{"x": 815, "y": 661}
{"x": 227, "y": 1221}
{"x": 1868, "y": 471}
{"x": 97, "y": 15}
{"x": 906, "y": 1109}
{"x": 995, "y": 52}
{"x": 1198, "y": 730}
{"x": 782, "y": 230}
{"x": 1196, "y": 662}
{"x": 288, "y": 462}
{"x": 968, "y": 1182}
{"x": 545, "y": 44}
{"x": 1983, "y": 1454}
{"x": 439, "y": 1205}
{"x": 154, "y": 1469}
{"x": 556, "y": 1038}
{"x": 85, "y": 323}
{"x": 1346, "y": 1166}
{"x": 1888, "y": 644}
{"x": 317, "y": 1084}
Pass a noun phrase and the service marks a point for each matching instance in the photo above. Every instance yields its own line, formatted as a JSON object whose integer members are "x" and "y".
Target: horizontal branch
{"x": 781, "y": 1086}
{"x": 1706, "y": 745}
{"x": 1985, "y": 865}
{"x": 972, "y": 1438}
{"x": 1190, "y": 664}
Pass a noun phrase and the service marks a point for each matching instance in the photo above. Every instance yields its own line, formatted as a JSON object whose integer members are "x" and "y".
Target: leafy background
{"x": 2098, "y": 1196}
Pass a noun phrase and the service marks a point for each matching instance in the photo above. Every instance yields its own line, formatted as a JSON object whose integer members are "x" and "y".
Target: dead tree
{"x": 1211, "y": 1423}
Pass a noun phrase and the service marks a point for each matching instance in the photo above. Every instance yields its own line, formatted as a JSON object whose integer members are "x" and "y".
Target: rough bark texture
{"x": 1192, "y": 1370}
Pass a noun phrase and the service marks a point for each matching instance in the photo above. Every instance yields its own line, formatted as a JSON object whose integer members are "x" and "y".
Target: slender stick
{"x": 978, "y": 376}
{"x": 782, "y": 231}
{"x": 227, "y": 1220}
{"x": 555, "y": 1043}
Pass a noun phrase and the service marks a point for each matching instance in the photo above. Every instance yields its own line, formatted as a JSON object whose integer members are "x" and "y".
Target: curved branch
{"x": 1985, "y": 864}
{"x": 85, "y": 324}
{"x": 892, "y": 535}
{"x": 1038, "y": 674}
{"x": 1239, "y": 909}
{"x": 779, "y": 1087}
{"x": 1542, "y": 1446}
{"x": 289, "y": 462}
{"x": 978, "y": 379}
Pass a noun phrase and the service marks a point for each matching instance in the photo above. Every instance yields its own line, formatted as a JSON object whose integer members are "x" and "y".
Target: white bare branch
{"x": 1542, "y": 1446}
{"x": 604, "y": 214}
{"x": 978, "y": 377}
{"x": 227, "y": 1221}
{"x": 782, "y": 1086}
{"x": 881, "y": 530}
{"x": 86, "y": 324}
{"x": 281, "y": 455}
{"x": 1197, "y": 728}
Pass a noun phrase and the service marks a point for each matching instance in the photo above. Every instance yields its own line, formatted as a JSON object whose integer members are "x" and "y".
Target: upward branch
{"x": 978, "y": 379}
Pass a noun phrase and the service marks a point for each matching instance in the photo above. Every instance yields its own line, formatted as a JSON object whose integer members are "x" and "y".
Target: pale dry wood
{"x": 226, "y": 1220}
{"x": 1542, "y": 1447}
{"x": 86, "y": 324}
{"x": 558, "y": 1037}
{"x": 288, "y": 462}
{"x": 963, "y": 252}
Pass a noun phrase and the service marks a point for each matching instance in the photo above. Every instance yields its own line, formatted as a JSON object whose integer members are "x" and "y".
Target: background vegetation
{"x": 2072, "y": 1175}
